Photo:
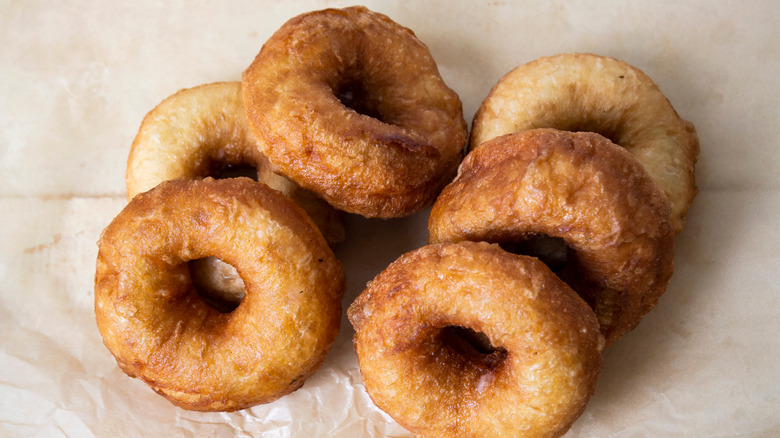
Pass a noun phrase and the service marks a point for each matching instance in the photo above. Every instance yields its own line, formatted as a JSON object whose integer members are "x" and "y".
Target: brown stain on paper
{"x": 43, "y": 246}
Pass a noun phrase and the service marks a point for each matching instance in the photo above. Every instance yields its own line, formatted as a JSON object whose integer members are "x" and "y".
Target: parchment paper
{"x": 76, "y": 78}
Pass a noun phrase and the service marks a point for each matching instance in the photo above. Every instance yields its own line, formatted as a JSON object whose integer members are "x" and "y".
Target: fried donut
{"x": 465, "y": 339}
{"x": 351, "y": 106}
{"x": 585, "y": 92}
{"x": 159, "y": 329}
{"x": 578, "y": 187}
{"x": 202, "y": 131}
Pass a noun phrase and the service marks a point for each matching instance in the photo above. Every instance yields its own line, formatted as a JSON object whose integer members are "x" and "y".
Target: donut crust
{"x": 199, "y": 131}
{"x": 391, "y": 151}
{"x": 579, "y": 187}
{"x": 538, "y": 386}
{"x": 587, "y": 92}
{"x": 159, "y": 329}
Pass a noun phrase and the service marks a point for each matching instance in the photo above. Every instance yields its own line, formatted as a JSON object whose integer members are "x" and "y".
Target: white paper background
{"x": 76, "y": 78}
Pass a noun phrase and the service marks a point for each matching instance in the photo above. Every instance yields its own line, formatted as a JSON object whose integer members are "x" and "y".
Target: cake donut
{"x": 586, "y": 92}
{"x": 159, "y": 330}
{"x": 465, "y": 339}
{"x": 351, "y": 105}
{"x": 577, "y": 187}
{"x": 202, "y": 131}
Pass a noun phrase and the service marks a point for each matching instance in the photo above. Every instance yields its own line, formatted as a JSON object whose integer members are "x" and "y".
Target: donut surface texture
{"x": 465, "y": 340}
{"x": 581, "y": 188}
{"x": 586, "y": 92}
{"x": 159, "y": 329}
{"x": 202, "y": 131}
{"x": 351, "y": 106}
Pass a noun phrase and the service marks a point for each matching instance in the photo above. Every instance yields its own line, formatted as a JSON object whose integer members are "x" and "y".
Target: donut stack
{"x": 577, "y": 160}
{"x": 216, "y": 284}
{"x": 479, "y": 333}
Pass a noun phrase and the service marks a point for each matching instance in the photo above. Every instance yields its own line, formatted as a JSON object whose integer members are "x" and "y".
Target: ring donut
{"x": 351, "y": 106}
{"x": 578, "y": 187}
{"x": 586, "y": 92}
{"x": 465, "y": 339}
{"x": 159, "y": 329}
{"x": 202, "y": 131}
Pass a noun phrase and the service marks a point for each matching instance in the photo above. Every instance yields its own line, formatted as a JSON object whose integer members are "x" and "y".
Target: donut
{"x": 580, "y": 188}
{"x": 202, "y": 131}
{"x": 351, "y": 106}
{"x": 159, "y": 330}
{"x": 586, "y": 92}
{"x": 465, "y": 339}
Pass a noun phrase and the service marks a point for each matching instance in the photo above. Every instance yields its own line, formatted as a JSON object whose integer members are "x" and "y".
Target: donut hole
{"x": 217, "y": 283}
{"x": 353, "y": 94}
{"x": 471, "y": 346}
{"x": 235, "y": 171}
{"x": 606, "y": 130}
{"x": 552, "y": 251}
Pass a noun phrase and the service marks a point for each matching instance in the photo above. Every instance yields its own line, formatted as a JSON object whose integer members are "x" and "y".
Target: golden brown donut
{"x": 465, "y": 340}
{"x": 159, "y": 329}
{"x": 351, "y": 106}
{"x": 581, "y": 188}
{"x": 586, "y": 92}
{"x": 202, "y": 131}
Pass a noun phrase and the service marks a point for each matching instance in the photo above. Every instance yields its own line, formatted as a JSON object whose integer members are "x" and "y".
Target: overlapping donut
{"x": 586, "y": 92}
{"x": 158, "y": 328}
{"x": 465, "y": 339}
{"x": 578, "y": 187}
{"x": 202, "y": 131}
{"x": 350, "y": 105}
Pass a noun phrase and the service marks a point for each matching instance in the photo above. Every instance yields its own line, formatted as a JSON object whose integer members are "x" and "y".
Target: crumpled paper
{"x": 76, "y": 81}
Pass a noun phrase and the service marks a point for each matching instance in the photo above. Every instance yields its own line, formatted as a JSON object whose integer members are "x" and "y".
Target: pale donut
{"x": 201, "y": 131}
{"x": 586, "y": 92}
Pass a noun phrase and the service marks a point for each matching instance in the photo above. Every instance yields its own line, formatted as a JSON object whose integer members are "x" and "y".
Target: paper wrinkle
{"x": 60, "y": 378}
